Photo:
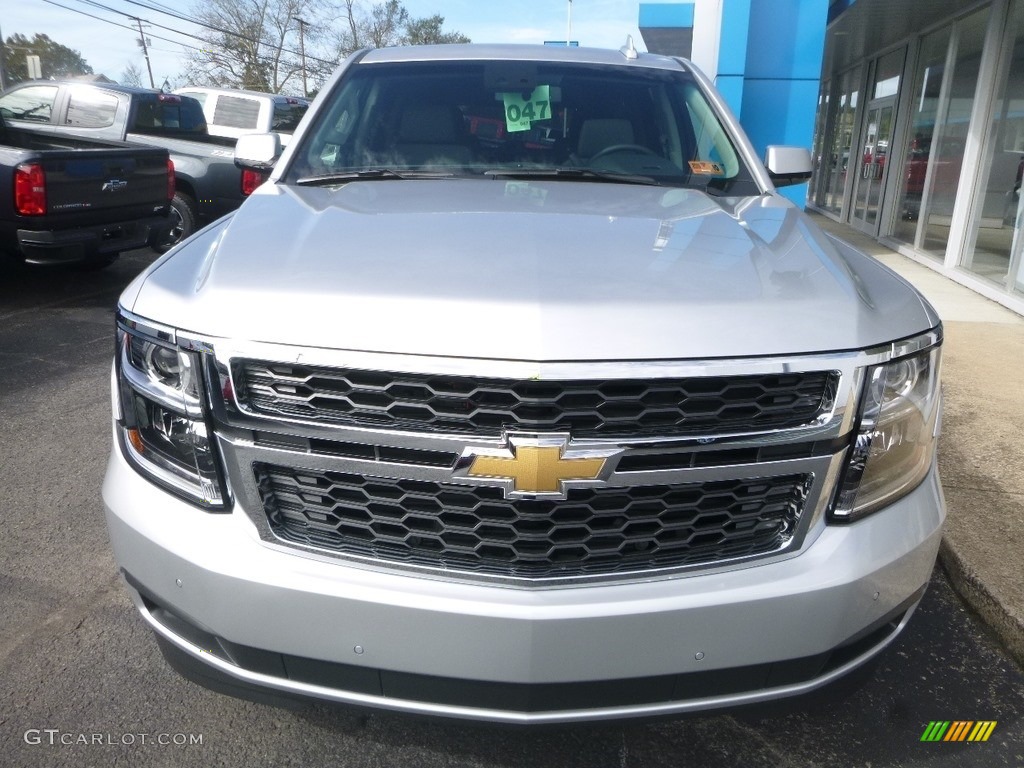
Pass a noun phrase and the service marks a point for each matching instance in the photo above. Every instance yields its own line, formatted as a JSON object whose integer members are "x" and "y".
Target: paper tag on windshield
{"x": 521, "y": 113}
{"x": 706, "y": 168}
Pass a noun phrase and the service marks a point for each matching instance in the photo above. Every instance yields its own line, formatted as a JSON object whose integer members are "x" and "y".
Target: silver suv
{"x": 518, "y": 394}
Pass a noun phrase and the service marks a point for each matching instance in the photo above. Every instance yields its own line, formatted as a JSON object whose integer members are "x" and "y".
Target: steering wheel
{"x": 624, "y": 148}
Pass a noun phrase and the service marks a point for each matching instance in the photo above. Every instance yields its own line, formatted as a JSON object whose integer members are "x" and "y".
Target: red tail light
{"x": 251, "y": 180}
{"x": 170, "y": 179}
{"x": 30, "y": 190}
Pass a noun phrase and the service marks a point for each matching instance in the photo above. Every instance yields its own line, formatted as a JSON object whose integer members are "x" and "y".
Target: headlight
{"x": 162, "y": 423}
{"x": 895, "y": 443}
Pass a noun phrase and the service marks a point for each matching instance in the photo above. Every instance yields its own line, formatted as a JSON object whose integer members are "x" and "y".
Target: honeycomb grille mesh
{"x": 586, "y": 408}
{"x": 475, "y": 529}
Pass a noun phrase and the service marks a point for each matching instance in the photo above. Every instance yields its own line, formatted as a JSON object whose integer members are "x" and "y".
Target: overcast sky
{"x": 109, "y": 49}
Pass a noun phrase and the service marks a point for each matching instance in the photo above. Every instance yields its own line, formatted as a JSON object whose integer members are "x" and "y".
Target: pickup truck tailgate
{"x": 105, "y": 180}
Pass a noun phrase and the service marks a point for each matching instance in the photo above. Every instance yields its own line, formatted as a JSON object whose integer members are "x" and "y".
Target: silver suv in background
{"x": 233, "y": 113}
{"x": 518, "y": 394}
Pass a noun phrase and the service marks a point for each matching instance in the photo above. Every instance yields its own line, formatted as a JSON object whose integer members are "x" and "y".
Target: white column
{"x": 707, "y": 33}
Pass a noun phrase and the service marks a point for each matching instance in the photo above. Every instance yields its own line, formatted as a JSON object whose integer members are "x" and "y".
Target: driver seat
{"x": 601, "y": 133}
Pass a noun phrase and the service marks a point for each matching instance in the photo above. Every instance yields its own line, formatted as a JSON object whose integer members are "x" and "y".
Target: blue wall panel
{"x": 666, "y": 15}
{"x": 731, "y": 88}
{"x": 773, "y": 84}
{"x": 732, "y": 48}
{"x": 779, "y": 112}
{"x": 786, "y": 38}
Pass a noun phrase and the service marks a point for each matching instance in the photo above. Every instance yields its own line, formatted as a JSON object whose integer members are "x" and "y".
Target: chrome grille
{"x": 475, "y": 529}
{"x": 487, "y": 406}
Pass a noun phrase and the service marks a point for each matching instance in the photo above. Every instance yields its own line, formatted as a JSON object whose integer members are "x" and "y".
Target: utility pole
{"x": 302, "y": 51}
{"x": 145, "y": 51}
{"x": 568, "y": 28}
{"x": 3, "y": 81}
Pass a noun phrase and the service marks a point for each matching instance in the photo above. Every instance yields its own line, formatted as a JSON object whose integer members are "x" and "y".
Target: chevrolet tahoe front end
{"x": 517, "y": 428}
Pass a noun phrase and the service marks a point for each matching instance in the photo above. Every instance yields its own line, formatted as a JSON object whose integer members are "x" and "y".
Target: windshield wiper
{"x": 371, "y": 174}
{"x": 571, "y": 174}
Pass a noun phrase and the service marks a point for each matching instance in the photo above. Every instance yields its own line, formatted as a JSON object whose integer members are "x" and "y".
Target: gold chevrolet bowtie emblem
{"x": 536, "y": 466}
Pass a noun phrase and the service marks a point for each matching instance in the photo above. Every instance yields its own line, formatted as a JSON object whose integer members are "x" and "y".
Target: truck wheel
{"x": 183, "y": 222}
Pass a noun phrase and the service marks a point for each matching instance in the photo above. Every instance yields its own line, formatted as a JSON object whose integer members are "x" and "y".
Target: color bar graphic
{"x": 958, "y": 730}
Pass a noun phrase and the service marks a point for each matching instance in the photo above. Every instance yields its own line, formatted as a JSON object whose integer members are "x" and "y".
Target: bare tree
{"x": 255, "y": 44}
{"x": 388, "y": 23}
{"x": 132, "y": 75}
{"x": 252, "y": 43}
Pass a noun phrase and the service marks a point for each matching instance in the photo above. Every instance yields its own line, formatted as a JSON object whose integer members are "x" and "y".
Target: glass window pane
{"x": 837, "y": 158}
{"x": 994, "y": 250}
{"x": 820, "y": 161}
{"x": 91, "y": 109}
{"x": 887, "y": 75}
{"x": 34, "y": 103}
{"x": 236, "y": 112}
{"x": 923, "y": 118}
{"x": 950, "y": 138}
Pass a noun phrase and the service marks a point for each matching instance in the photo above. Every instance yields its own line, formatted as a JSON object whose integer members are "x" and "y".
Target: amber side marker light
{"x": 136, "y": 440}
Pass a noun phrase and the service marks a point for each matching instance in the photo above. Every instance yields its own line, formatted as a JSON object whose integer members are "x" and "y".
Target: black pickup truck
{"x": 66, "y": 199}
{"x": 208, "y": 185}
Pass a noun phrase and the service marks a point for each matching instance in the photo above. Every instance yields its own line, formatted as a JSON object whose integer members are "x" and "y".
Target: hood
{"x": 513, "y": 270}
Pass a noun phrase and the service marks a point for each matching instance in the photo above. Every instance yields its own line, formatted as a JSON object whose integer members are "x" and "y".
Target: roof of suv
{"x": 502, "y": 52}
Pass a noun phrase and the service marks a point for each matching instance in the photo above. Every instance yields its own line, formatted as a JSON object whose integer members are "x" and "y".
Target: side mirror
{"x": 788, "y": 165}
{"x": 257, "y": 151}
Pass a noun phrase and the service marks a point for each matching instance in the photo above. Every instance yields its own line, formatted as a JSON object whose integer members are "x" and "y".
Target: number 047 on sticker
{"x": 521, "y": 113}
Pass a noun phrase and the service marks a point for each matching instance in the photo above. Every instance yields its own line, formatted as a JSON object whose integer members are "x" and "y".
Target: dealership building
{"x": 914, "y": 110}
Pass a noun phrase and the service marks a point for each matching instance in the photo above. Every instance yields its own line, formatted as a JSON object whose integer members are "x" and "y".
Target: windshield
{"x": 514, "y": 118}
{"x": 164, "y": 115}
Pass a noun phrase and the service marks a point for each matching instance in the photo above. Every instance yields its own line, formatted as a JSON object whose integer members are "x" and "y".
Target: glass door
{"x": 871, "y": 164}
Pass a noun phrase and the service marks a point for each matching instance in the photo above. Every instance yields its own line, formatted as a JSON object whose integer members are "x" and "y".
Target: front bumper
{"x": 306, "y": 626}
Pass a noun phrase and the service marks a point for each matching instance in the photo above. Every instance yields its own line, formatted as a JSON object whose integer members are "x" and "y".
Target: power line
{"x": 171, "y": 29}
{"x": 91, "y": 16}
{"x": 155, "y": 24}
{"x": 122, "y": 26}
{"x": 160, "y": 7}
{"x": 203, "y": 24}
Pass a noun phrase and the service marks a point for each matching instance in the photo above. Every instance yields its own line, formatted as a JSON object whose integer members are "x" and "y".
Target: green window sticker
{"x": 521, "y": 113}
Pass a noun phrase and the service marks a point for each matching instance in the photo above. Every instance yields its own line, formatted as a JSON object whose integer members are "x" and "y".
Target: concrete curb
{"x": 1007, "y": 627}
